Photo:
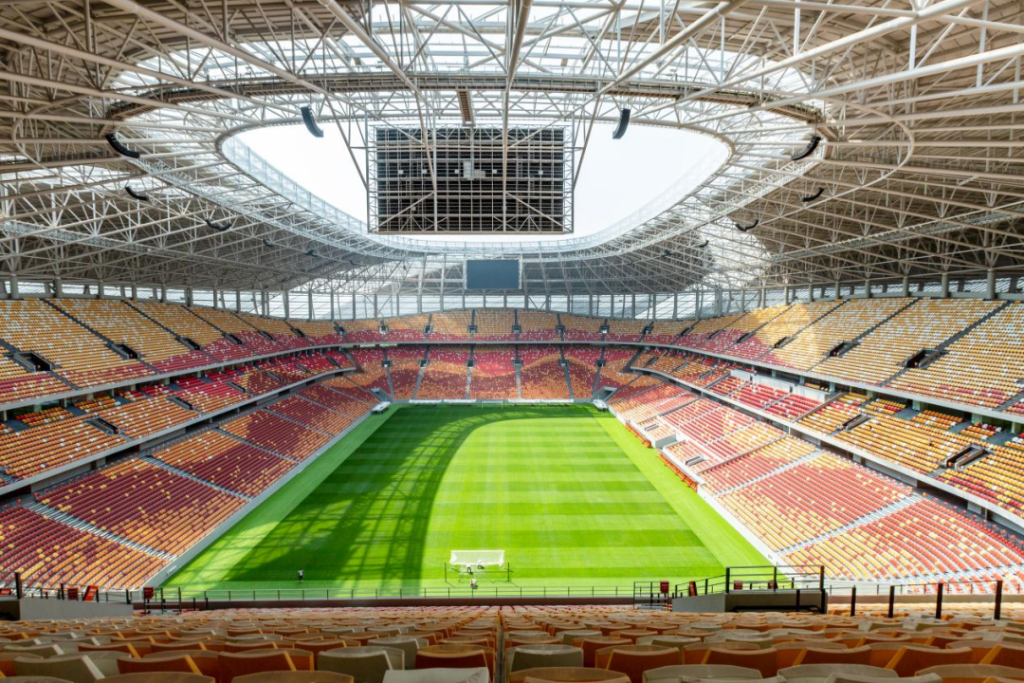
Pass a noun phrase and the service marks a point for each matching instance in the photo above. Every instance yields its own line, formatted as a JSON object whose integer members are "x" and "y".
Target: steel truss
{"x": 916, "y": 104}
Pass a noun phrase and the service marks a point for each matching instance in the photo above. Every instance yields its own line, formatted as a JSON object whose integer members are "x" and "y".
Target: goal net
{"x": 477, "y": 558}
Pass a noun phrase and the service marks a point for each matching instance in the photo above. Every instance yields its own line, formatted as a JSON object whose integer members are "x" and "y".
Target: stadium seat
{"x": 479, "y": 675}
{"x": 168, "y": 662}
{"x": 764, "y": 660}
{"x": 818, "y": 673}
{"x": 407, "y": 644}
{"x": 913, "y": 658}
{"x": 7, "y": 661}
{"x": 454, "y": 656}
{"x": 364, "y": 664}
{"x": 701, "y": 671}
{"x": 972, "y": 673}
{"x": 568, "y": 675}
{"x": 295, "y": 677}
{"x": 205, "y": 660}
{"x": 74, "y": 668}
{"x": 542, "y": 656}
{"x": 1003, "y": 654}
{"x": 590, "y": 647}
{"x": 234, "y": 664}
{"x": 633, "y": 660}
{"x": 817, "y": 654}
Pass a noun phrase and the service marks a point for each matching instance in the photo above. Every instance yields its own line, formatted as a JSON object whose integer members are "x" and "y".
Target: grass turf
{"x": 569, "y": 495}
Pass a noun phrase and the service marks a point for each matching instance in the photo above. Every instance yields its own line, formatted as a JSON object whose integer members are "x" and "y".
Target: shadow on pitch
{"x": 368, "y": 520}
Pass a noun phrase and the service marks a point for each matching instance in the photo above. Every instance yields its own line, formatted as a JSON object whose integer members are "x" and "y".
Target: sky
{"x": 618, "y": 177}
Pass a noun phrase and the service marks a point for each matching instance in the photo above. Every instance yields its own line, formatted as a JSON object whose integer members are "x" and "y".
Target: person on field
{"x": 302, "y": 576}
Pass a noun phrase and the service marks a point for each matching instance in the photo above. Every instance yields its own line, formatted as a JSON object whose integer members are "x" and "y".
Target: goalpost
{"x": 468, "y": 564}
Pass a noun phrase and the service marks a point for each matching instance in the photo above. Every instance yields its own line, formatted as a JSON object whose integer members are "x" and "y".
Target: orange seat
{"x": 912, "y": 658}
{"x": 790, "y": 651}
{"x": 179, "y": 645}
{"x": 590, "y": 646}
{"x": 127, "y": 648}
{"x": 568, "y": 675}
{"x": 695, "y": 653}
{"x": 204, "y": 660}
{"x": 169, "y": 662}
{"x": 764, "y": 660}
{"x": 318, "y": 646}
{"x": 634, "y": 660}
{"x": 234, "y": 664}
{"x": 296, "y": 677}
{"x": 819, "y": 655}
{"x": 247, "y": 646}
{"x": 454, "y": 656}
{"x": 1006, "y": 654}
{"x": 7, "y": 661}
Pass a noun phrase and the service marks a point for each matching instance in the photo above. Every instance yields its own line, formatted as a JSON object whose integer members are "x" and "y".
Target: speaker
{"x": 136, "y": 195}
{"x": 812, "y": 197}
{"x": 620, "y": 130}
{"x": 311, "y": 125}
{"x": 120, "y": 148}
{"x": 219, "y": 227}
{"x": 809, "y": 149}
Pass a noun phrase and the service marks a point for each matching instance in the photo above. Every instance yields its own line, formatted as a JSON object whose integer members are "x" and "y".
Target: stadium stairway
{"x": 946, "y": 343}
{"x": 419, "y": 379}
{"x": 519, "y": 377}
{"x": 860, "y": 521}
{"x": 183, "y": 473}
{"x": 82, "y": 525}
{"x": 106, "y": 340}
{"x": 777, "y": 470}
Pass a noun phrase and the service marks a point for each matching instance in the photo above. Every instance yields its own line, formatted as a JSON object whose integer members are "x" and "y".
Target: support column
{"x": 944, "y": 286}
{"x": 867, "y": 288}
{"x": 58, "y": 287}
{"x": 287, "y": 303}
{"x": 188, "y": 294}
{"x": 906, "y": 286}
{"x": 332, "y": 304}
{"x": 163, "y": 294}
{"x": 216, "y": 303}
{"x": 14, "y": 293}
{"x": 990, "y": 284}
{"x": 309, "y": 315}
{"x": 100, "y": 287}
{"x": 675, "y": 306}
{"x": 238, "y": 299}
{"x": 135, "y": 292}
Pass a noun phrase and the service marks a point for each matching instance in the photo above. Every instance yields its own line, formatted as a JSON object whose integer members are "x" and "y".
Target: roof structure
{"x": 867, "y": 140}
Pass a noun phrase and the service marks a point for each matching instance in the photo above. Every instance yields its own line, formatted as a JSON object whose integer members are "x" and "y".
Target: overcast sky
{"x": 618, "y": 176}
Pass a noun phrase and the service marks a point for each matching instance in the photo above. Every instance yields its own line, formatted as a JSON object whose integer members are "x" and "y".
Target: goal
{"x": 478, "y": 565}
{"x": 478, "y": 559}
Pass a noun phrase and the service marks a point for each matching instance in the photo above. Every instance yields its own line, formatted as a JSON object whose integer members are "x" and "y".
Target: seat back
{"x": 764, "y": 660}
{"x": 1005, "y": 654}
{"x": 74, "y": 668}
{"x": 635, "y": 660}
{"x": 701, "y": 671}
{"x": 820, "y": 655}
{"x": 234, "y": 664}
{"x": 364, "y": 664}
{"x": 568, "y": 675}
{"x": 821, "y": 672}
{"x": 972, "y": 673}
{"x": 295, "y": 677}
{"x": 913, "y": 658}
{"x": 182, "y": 663}
{"x": 157, "y": 677}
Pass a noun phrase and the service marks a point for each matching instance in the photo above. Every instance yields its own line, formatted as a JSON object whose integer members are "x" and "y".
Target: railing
{"x": 757, "y": 578}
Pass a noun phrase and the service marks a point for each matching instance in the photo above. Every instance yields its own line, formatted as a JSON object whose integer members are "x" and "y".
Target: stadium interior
{"x": 494, "y": 405}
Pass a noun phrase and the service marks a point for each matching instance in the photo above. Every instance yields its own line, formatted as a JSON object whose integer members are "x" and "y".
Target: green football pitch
{"x": 567, "y": 492}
